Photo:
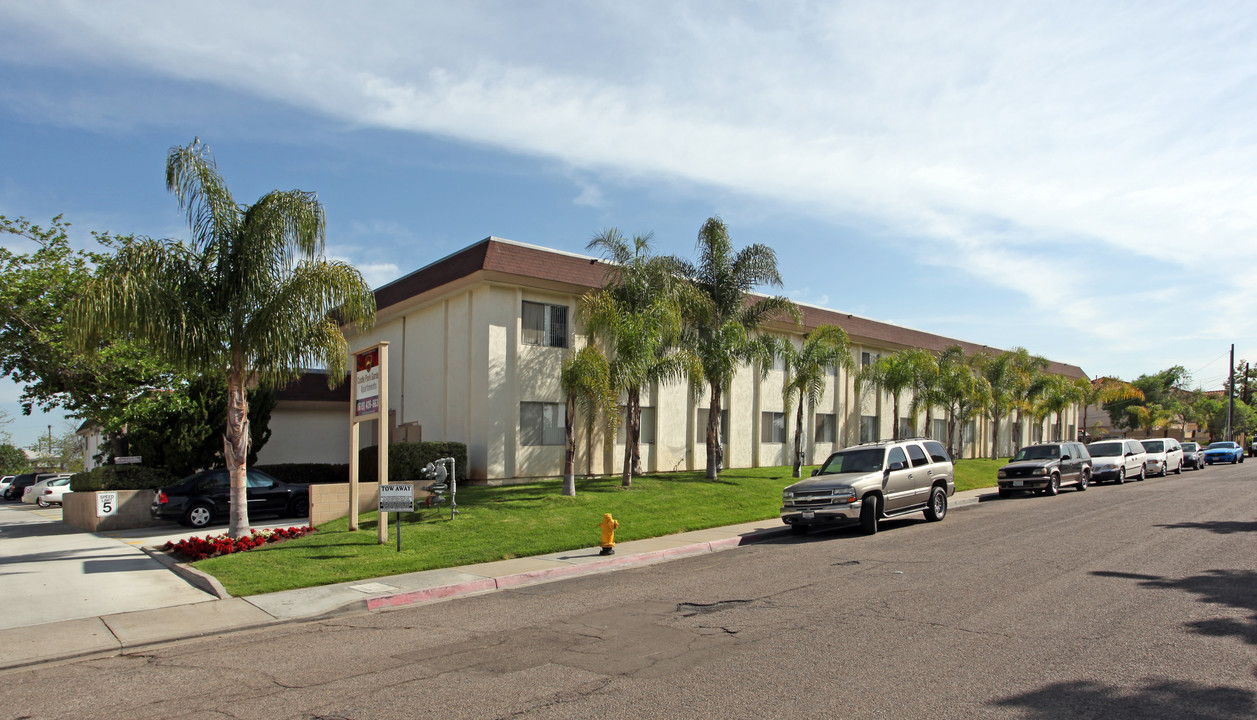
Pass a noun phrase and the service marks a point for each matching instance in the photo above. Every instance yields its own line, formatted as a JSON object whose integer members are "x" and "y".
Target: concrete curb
{"x": 472, "y": 587}
{"x": 195, "y": 577}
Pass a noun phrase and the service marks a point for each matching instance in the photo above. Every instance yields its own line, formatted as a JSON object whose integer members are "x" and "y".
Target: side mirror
{"x": 1064, "y": 458}
{"x": 896, "y": 466}
{"x": 816, "y": 471}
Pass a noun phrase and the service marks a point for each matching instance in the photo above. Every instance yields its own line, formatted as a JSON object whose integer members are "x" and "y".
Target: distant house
{"x": 478, "y": 338}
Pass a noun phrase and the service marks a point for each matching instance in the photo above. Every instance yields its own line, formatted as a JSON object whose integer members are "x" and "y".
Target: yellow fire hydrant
{"x": 608, "y": 525}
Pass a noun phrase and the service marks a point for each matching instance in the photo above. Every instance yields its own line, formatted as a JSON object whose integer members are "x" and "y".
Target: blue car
{"x": 1225, "y": 451}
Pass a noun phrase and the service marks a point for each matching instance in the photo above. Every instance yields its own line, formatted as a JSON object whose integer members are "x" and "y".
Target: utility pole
{"x": 1230, "y": 395}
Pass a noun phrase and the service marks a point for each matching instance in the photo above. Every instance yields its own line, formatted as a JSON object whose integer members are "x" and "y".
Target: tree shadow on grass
{"x": 1151, "y": 698}
{"x": 1233, "y": 588}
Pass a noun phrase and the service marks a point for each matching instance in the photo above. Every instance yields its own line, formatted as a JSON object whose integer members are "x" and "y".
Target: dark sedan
{"x": 1193, "y": 456}
{"x": 205, "y": 497}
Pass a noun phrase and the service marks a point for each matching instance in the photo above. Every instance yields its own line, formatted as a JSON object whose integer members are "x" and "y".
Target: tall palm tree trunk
{"x": 713, "y": 433}
{"x": 569, "y": 457}
{"x": 236, "y": 452}
{"x": 797, "y": 460}
{"x": 631, "y": 465}
{"x": 995, "y": 418}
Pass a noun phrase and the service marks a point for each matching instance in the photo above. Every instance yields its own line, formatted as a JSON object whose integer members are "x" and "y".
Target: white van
{"x": 1119, "y": 460}
{"x": 1164, "y": 455}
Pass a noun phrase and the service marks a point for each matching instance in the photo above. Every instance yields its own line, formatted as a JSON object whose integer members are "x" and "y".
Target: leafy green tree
{"x": 895, "y": 373}
{"x": 181, "y": 429}
{"x": 724, "y": 320}
{"x": 1000, "y": 375}
{"x": 1057, "y": 395}
{"x": 638, "y": 316}
{"x": 1029, "y": 381}
{"x": 251, "y": 300}
{"x": 1159, "y": 389}
{"x": 806, "y": 369}
{"x": 12, "y": 460}
{"x": 36, "y": 348}
{"x": 1104, "y": 391}
{"x": 586, "y": 382}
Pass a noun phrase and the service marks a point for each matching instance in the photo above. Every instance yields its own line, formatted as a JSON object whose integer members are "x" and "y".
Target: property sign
{"x": 106, "y": 504}
{"x": 128, "y": 460}
{"x": 397, "y": 498}
{"x": 367, "y": 382}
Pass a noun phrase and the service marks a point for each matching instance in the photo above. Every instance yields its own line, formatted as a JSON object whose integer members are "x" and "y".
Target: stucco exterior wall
{"x": 311, "y": 432}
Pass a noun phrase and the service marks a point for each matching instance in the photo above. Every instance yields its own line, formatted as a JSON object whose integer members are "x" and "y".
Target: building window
{"x": 866, "y": 359}
{"x": 772, "y": 427}
{"x": 826, "y": 428}
{"x": 831, "y": 370}
{"x": 939, "y": 431}
{"x": 701, "y": 429}
{"x": 905, "y": 427}
{"x": 868, "y": 428}
{"x": 1036, "y": 434}
{"x": 1056, "y": 433}
{"x": 545, "y": 324}
{"x": 542, "y": 423}
{"x": 647, "y": 429}
{"x": 971, "y": 429}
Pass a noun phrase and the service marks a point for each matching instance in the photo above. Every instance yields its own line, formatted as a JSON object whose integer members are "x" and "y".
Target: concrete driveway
{"x": 50, "y": 571}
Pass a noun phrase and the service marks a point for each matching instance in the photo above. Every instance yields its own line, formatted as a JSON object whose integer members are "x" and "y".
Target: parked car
{"x": 1164, "y": 455}
{"x": 1252, "y": 448}
{"x": 870, "y": 482}
{"x": 1193, "y": 456}
{"x": 50, "y": 492}
{"x": 18, "y": 485}
{"x": 30, "y": 493}
{"x": 201, "y": 499}
{"x": 5, "y": 482}
{"x": 1221, "y": 451}
{"x": 1046, "y": 468}
{"x": 1119, "y": 460}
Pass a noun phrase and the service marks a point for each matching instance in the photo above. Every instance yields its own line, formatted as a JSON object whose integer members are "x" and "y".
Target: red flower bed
{"x": 214, "y": 545}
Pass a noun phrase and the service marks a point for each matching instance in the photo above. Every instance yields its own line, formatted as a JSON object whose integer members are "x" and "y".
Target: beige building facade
{"x": 476, "y": 344}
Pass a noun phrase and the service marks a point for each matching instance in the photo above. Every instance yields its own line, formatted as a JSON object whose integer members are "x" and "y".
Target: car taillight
{"x": 162, "y": 499}
{"x": 47, "y": 492}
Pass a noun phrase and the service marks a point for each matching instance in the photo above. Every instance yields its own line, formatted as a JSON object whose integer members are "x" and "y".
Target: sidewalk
{"x": 115, "y": 633}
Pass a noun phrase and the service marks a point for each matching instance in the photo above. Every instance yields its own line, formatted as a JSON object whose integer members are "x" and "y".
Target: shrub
{"x": 196, "y": 548}
{"x": 405, "y": 460}
{"x": 121, "y": 477}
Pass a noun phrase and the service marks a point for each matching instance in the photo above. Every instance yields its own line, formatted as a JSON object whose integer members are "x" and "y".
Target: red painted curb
{"x": 436, "y": 593}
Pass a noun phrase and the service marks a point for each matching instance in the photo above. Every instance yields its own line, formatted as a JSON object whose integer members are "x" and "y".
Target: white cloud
{"x": 1012, "y": 140}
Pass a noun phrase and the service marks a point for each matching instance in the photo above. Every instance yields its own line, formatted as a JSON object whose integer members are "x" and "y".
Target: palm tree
{"x": 998, "y": 372}
{"x": 925, "y": 390}
{"x": 723, "y": 321}
{"x": 1057, "y": 395}
{"x": 895, "y": 373}
{"x": 586, "y": 382}
{"x": 825, "y": 347}
{"x": 962, "y": 389}
{"x": 1104, "y": 391}
{"x": 638, "y": 315}
{"x": 251, "y": 299}
{"x": 1029, "y": 381}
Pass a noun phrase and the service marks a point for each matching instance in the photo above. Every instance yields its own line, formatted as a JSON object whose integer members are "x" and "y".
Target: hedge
{"x": 405, "y": 460}
{"x": 121, "y": 477}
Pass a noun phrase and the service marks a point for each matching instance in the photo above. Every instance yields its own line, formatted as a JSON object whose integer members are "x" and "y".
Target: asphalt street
{"x": 1132, "y": 601}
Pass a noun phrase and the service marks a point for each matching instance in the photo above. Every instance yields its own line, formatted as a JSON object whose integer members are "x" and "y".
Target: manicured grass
{"x": 497, "y": 523}
{"x": 977, "y": 473}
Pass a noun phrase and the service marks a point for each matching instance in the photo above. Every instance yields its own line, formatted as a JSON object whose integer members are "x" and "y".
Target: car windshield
{"x": 1107, "y": 449}
{"x": 1039, "y": 452}
{"x": 1190, "y": 447}
{"x": 1222, "y": 446}
{"x": 851, "y": 461}
{"x": 1154, "y": 445}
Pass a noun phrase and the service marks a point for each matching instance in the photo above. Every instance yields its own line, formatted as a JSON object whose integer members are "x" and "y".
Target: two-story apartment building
{"x": 478, "y": 338}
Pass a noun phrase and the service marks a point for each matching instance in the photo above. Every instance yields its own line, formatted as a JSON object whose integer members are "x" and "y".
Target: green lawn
{"x": 497, "y": 523}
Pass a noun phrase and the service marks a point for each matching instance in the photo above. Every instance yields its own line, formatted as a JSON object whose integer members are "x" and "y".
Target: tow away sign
{"x": 397, "y": 498}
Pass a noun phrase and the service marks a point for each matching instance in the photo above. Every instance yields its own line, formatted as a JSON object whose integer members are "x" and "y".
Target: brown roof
{"x": 312, "y": 387}
{"x": 497, "y": 259}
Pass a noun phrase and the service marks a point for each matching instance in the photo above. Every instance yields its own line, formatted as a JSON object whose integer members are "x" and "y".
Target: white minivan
{"x": 1119, "y": 460}
{"x": 1165, "y": 455}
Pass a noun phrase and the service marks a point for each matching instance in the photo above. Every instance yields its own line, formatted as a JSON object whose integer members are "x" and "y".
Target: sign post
{"x": 396, "y": 499}
{"x": 369, "y": 401}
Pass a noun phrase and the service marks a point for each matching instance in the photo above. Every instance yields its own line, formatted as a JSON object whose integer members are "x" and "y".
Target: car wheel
{"x": 798, "y": 529}
{"x": 1234, "y": 460}
{"x": 198, "y": 516}
{"x": 1143, "y": 473}
{"x": 1179, "y": 470}
{"x": 1121, "y": 476}
{"x": 300, "y": 507}
{"x": 1083, "y": 481}
{"x": 40, "y": 502}
{"x": 1005, "y": 493}
{"x": 937, "y": 509}
{"x": 1165, "y": 468}
{"x": 868, "y": 514}
{"x": 1053, "y": 486}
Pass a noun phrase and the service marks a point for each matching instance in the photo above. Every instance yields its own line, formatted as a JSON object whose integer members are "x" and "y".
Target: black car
{"x": 1193, "y": 456}
{"x": 203, "y": 498}
{"x": 1045, "y": 468}
{"x": 21, "y": 481}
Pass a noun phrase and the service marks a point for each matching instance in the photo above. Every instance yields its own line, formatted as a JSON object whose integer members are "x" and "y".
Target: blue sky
{"x": 1076, "y": 178}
